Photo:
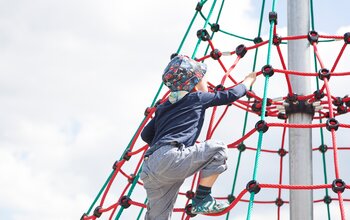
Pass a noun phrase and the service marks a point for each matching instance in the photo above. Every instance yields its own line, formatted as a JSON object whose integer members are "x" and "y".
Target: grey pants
{"x": 166, "y": 169}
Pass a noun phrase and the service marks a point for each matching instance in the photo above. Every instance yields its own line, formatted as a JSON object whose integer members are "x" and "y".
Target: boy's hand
{"x": 249, "y": 80}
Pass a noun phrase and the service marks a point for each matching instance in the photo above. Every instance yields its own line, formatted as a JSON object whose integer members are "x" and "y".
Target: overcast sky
{"x": 77, "y": 75}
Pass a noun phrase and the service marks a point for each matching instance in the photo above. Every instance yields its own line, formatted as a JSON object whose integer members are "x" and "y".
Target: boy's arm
{"x": 228, "y": 96}
{"x": 148, "y": 132}
{"x": 223, "y": 97}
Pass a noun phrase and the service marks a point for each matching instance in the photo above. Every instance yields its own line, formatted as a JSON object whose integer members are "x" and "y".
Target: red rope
{"x": 227, "y": 74}
{"x": 290, "y": 90}
{"x": 234, "y": 144}
{"x": 296, "y": 125}
{"x": 281, "y": 170}
{"x": 219, "y": 121}
{"x": 299, "y": 37}
{"x": 338, "y": 58}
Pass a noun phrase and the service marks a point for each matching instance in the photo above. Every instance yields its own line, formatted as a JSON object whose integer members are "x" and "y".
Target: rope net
{"x": 265, "y": 122}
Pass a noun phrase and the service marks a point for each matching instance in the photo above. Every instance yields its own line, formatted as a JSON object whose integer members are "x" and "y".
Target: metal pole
{"x": 300, "y": 140}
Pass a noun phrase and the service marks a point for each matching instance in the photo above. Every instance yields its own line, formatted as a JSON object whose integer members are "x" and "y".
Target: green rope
{"x": 246, "y": 114}
{"x": 186, "y": 34}
{"x": 236, "y": 172}
{"x": 205, "y": 25}
{"x": 263, "y": 111}
{"x": 312, "y": 15}
{"x": 321, "y": 130}
{"x": 99, "y": 194}
{"x": 129, "y": 193}
{"x": 228, "y": 33}
{"x": 110, "y": 176}
{"x": 235, "y": 35}
{"x": 217, "y": 21}
{"x": 141, "y": 211}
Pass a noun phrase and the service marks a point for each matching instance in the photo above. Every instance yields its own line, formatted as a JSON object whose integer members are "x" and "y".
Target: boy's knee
{"x": 221, "y": 155}
{"x": 216, "y": 144}
{"x": 219, "y": 149}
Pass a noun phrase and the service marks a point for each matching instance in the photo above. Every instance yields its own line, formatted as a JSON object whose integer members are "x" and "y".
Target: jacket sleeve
{"x": 148, "y": 132}
{"x": 223, "y": 97}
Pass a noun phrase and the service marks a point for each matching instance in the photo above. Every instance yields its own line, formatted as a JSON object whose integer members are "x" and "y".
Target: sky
{"x": 76, "y": 77}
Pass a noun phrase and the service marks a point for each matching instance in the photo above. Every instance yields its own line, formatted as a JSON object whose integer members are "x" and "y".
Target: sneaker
{"x": 208, "y": 205}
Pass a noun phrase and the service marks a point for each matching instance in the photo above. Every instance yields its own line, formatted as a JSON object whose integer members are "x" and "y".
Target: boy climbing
{"x": 174, "y": 154}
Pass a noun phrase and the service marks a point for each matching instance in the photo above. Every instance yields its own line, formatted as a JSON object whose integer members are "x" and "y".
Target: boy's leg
{"x": 204, "y": 203}
{"x": 161, "y": 194}
{"x": 170, "y": 165}
{"x": 161, "y": 201}
{"x": 208, "y": 157}
{"x": 208, "y": 181}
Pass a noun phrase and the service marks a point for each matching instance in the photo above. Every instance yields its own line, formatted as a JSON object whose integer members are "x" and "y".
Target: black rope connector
{"x": 267, "y": 70}
{"x": 313, "y": 37}
{"x": 282, "y": 116}
{"x": 298, "y": 106}
{"x": 261, "y": 126}
{"x": 125, "y": 202}
{"x": 256, "y": 107}
{"x": 188, "y": 209}
{"x": 132, "y": 178}
{"x": 277, "y": 40}
{"x": 326, "y": 115}
{"x": 279, "y": 202}
{"x": 147, "y": 111}
{"x": 331, "y": 124}
{"x": 126, "y": 155}
{"x": 318, "y": 95}
{"x": 83, "y": 216}
{"x": 97, "y": 212}
{"x": 273, "y": 17}
{"x": 268, "y": 102}
{"x": 219, "y": 87}
{"x": 323, "y": 148}
{"x": 215, "y": 27}
{"x": 257, "y": 40}
{"x": 253, "y": 186}
{"x": 327, "y": 199}
{"x": 347, "y": 103}
{"x": 215, "y": 54}
{"x": 231, "y": 198}
{"x": 199, "y": 6}
{"x": 292, "y": 98}
{"x": 324, "y": 73}
{"x": 282, "y": 152}
{"x": 115, "y": 165}
{"x": 347, "y": 37}
{"x": 342, "y": 109}
{"x": 203, "y": 34}
{"x": 338, "y": 101}
{"x": 241, "y": 147}
{"x": 241, "y": 50}
{"x": 338, "y": 185}
{"x": 173, "y": 55}
{"x": 190, "y": 194}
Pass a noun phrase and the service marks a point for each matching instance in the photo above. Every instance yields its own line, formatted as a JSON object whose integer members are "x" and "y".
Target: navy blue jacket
{"x": 183, "y": 120}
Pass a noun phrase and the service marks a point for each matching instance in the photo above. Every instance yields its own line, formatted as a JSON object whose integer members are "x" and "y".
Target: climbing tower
{"x": 266, "y": 178}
